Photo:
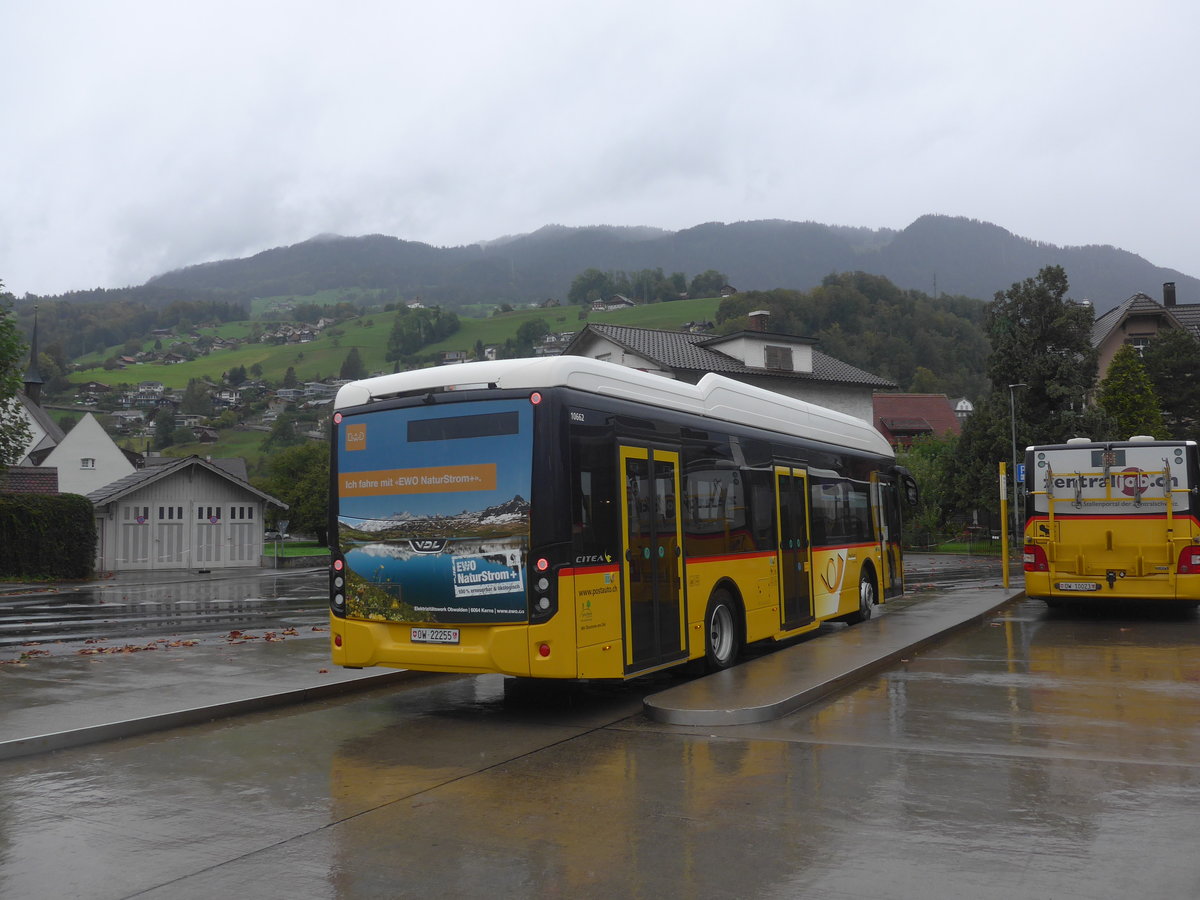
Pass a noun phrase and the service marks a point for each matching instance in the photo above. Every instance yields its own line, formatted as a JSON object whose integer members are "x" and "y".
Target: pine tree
{"x": 353, "y": 366}
{"x": 1172, "y": 362}
{"x": 1127, "y": 397}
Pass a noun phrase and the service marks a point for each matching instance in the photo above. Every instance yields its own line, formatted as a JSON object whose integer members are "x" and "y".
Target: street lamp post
{"x": 1012, "y": 411}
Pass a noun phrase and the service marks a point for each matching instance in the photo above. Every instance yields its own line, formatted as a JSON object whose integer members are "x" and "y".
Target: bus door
{"x": 883, "y": 496}
{"x": 795, "y": 593}
{"x": 655, "y": 631}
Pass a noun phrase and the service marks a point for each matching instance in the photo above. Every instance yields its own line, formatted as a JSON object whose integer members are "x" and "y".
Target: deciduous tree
{"x": 299, "y": 476}
{"x": 1042, "y": 365}
{"x": 196, "y": 399}
{"x": 1042, "y": 340}
{"x": 283, "y": 433}
{"x": 590, "y": 285}
{"x": 928, "y": 460}
{"x": 14, "y": 431}
{"x": 707, "y": 284}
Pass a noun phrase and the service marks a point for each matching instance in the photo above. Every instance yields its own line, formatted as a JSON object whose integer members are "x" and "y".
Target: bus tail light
{"x": 337, "y": 586}
{"x": 1189, "y": 561}
{"x": 1035, "y": 559}
{"x": 543, "y": 591}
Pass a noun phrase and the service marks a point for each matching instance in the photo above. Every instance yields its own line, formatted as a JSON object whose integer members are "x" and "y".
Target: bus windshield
{"x": 433, "y": 511}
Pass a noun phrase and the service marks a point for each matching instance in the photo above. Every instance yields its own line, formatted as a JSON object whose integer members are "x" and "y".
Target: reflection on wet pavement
{"x": 1037, "y": 755}
{"x": 133, "y": 611}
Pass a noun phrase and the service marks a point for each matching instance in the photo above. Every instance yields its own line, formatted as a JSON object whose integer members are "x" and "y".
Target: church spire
{"x": 33, "y": 379}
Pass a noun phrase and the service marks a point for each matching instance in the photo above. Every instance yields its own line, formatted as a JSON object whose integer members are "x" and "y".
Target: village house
{"x": 1138, "y": 320}
{"x": 315, "y": 390}
{"x": 185, "y": 513}
{"x": 87, "y": 458}
{"x": 901, "y": 418}
{"x": 616, "y": 301}
{"x": 128, "y": 419}
{"x": 554, "y": 344}
{"x": 93, "y": 388}
{"x": 206, "y": 434}
{"x": 787, "y": 364}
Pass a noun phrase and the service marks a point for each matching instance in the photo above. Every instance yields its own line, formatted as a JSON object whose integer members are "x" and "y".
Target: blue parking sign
{"x": 1020, "y": 473}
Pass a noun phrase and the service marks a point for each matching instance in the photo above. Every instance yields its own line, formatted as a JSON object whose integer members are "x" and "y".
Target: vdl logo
{"x": 428, "y": 545}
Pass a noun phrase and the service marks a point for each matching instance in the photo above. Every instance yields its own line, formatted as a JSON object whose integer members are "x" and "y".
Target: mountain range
{"x": 935, "y": 254}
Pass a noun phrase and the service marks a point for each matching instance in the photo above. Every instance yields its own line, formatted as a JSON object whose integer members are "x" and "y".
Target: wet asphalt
{"x": 1028, "y": 754}
{"x": 136, "y": 606}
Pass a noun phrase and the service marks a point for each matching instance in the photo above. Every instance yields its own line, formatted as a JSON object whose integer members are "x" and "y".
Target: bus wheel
{"x": 721, "y": 642}
{"x": 866, "y": 599}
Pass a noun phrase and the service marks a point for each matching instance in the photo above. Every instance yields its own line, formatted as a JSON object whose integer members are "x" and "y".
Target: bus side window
{"x": 596, "y": 496}
{"x": 760, "y": 498}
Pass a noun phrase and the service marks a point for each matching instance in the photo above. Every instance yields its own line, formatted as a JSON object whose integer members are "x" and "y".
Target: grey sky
{"x": 145, "y": 136}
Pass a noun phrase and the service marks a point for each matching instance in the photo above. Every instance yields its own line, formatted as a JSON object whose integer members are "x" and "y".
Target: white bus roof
{"x": 714, "y": 396}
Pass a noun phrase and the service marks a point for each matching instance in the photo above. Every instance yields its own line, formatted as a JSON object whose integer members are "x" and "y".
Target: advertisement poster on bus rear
{"x": 433, "y": 512}
{"x": 1110, "y": 481}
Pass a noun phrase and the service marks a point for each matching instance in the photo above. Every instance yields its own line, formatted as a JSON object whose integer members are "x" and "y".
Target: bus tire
{"x": 867, "y": 598}
{"x": 722, "y": 640}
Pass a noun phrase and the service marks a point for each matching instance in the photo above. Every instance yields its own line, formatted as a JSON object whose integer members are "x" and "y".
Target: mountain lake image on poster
{"x": 433, "y": 511}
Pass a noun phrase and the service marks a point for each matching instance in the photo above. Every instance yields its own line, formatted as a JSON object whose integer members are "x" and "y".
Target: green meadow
{"x": 322, "y": 358}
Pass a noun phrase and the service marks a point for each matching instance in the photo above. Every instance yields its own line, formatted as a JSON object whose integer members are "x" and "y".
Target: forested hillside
{"x": 935, "y": 254}
{"x": 924, "y": 344}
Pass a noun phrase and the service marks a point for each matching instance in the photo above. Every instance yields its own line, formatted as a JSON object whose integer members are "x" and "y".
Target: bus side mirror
{"x": 911, "y": 494}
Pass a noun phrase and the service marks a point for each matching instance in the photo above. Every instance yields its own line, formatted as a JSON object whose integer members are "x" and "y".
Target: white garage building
{"x": 187, "y": 514}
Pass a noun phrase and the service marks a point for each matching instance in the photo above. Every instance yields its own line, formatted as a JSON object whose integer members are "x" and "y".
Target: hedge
{"x": 46, "y": 536}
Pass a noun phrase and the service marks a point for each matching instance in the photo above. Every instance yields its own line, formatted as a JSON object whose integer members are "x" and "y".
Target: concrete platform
{"x": 55, "y": 702}
{"x": 61, "y": 697}
{"x": 779, "y": 683}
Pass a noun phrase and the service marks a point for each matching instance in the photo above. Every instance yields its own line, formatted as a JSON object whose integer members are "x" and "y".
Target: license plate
{"x": 1077, "y": 586}
{"x": 434, "y": 636}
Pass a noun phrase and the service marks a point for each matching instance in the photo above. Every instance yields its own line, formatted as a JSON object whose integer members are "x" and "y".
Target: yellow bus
{"x": 571, "y": 518}
{"x": 1112, "y": 520}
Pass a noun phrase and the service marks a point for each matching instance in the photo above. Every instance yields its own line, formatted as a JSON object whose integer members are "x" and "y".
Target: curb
{"x": 78, "y": 737}
{"x": 772, "y": 686}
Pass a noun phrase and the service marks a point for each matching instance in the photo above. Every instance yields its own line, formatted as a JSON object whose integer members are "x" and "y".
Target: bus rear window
{"x": 456, "y": 428}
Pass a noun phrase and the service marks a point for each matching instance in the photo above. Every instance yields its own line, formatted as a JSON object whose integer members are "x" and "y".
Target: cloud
{"x": 146, "y": 136}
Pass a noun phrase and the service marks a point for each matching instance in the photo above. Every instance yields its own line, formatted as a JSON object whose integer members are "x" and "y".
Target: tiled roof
{"x": 53, "y": 432}
{"x": 1187, "y": 316}
{"x": 142, "y": 477}
{"x": 684, "y": 351}
{"x": 234, "y": 465}
{"x": 29, "y": 480}
{"x": 897, "y": 414}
